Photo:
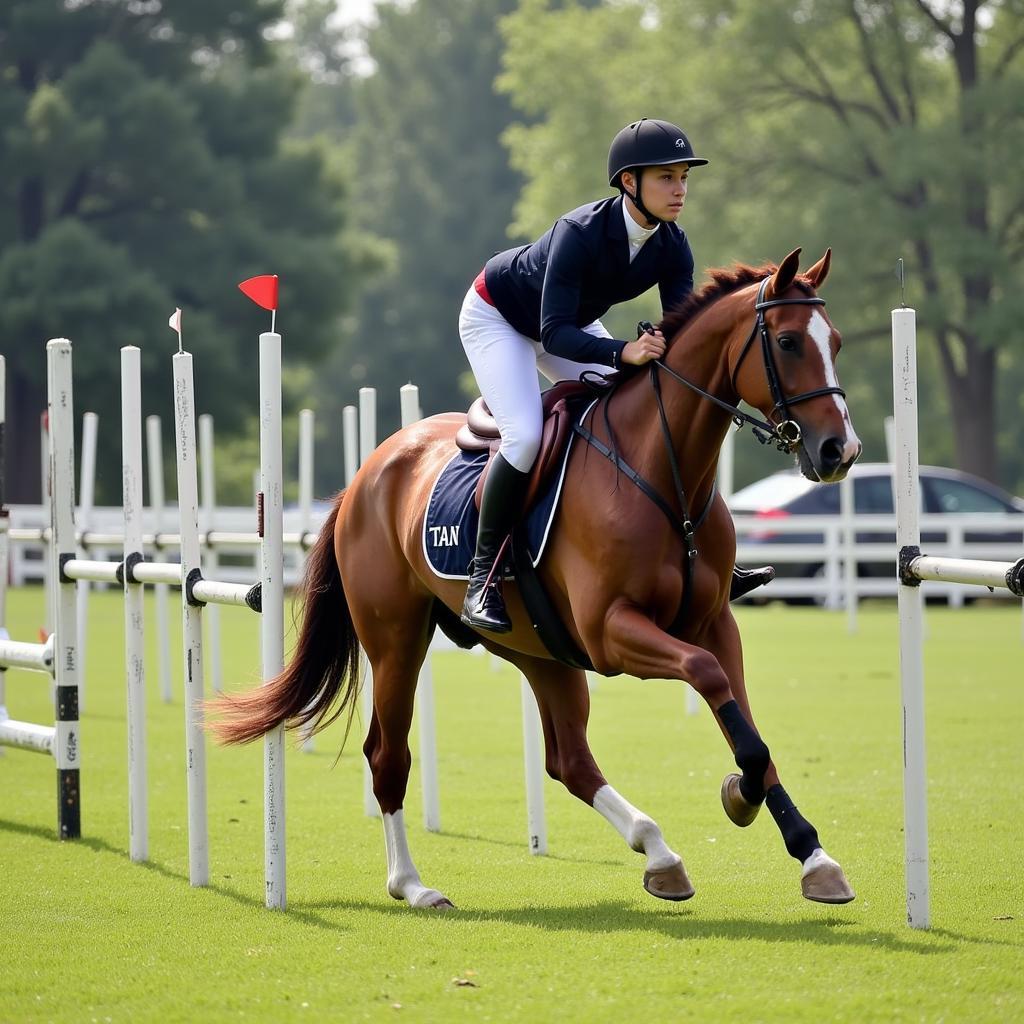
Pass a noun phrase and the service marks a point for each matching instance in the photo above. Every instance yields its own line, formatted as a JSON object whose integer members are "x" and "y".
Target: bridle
{"x": 786, "y": 432}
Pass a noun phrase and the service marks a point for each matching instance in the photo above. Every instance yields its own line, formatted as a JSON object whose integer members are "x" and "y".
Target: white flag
{"x": 175, "y": 322}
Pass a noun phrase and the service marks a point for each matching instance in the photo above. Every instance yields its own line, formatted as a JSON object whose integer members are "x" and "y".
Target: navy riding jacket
{"x": 574, "y": 273}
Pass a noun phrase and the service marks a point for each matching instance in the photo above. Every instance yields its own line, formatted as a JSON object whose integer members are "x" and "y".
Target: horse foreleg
{"x": 822, "y": 878}
{"x": 635, "y": 644}
{"x": 564, "y": 702}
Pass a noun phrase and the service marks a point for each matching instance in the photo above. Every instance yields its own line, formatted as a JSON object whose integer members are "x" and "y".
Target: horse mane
{"x": 724, "y": 281}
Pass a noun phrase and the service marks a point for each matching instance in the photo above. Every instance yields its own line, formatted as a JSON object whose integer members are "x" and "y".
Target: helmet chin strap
{"x": 652, "y": 221}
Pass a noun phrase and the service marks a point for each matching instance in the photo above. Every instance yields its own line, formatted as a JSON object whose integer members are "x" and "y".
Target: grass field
{"x": 87, "y": 936}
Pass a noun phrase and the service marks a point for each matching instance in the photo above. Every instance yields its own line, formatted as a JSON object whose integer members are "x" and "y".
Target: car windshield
{"x": 771, "y": 492}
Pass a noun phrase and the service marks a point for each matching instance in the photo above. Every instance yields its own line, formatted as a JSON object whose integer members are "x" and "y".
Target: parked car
{"x": 788, "y": 493}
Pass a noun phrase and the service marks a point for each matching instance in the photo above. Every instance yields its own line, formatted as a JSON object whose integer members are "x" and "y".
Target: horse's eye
{"x": 787, "y": 342}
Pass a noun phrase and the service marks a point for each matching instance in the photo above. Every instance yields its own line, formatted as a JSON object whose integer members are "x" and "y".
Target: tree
{"x": 143, "y": 165}
{"x": 434, "y": 194}
{"x": 884, "y": 128}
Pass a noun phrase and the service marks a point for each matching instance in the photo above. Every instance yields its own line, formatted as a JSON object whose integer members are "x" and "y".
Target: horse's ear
{"x": 783, "y": 277}
{"x": 817, "y": 274}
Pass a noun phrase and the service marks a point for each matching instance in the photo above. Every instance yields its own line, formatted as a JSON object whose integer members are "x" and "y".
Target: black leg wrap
{"x": 752, "y": 754}
{"x": 799, "y": 835}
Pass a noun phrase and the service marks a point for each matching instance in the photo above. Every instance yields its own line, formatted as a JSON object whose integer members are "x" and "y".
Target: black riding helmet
{"x": 648, "y": 143}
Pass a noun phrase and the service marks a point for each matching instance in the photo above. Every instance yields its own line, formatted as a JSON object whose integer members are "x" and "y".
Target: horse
{"x": 640, "y": 581}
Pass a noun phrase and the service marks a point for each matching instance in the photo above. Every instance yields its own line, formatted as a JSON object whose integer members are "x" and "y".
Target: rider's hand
{"x": 647, "y": 347}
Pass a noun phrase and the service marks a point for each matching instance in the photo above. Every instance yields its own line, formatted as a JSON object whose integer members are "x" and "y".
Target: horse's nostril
{"x": 831, "y": 453}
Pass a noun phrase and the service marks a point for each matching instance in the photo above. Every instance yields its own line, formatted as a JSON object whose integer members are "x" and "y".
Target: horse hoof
{"x": 669, "y": 883}
{"x": 443, "y": 905}
{"x": 823, "y": 880}
{"x": 736, "y": 807}
{"x": 431, "y": 899}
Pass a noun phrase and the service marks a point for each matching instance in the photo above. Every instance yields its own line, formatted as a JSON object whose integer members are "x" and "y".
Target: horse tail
{"x": 325, "y": 660}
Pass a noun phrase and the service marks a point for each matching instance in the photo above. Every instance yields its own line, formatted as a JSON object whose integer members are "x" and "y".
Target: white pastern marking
{"x": 640, "y": 832}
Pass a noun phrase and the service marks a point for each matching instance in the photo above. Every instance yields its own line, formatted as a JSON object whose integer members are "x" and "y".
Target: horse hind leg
{"x": 564, "y": 703}
{"x": 396, "y": 651}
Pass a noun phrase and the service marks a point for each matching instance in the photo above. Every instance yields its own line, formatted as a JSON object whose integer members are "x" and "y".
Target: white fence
{"x": 238, "y": 558}
{"x": 837, "y": 547}
{"x": 826, "y": 557}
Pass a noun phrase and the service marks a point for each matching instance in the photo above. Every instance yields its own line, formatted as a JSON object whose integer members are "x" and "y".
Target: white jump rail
{"x": 913, "y": 568}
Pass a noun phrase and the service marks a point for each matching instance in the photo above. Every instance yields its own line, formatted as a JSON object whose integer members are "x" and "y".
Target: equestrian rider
{"x": 538, "y": 307}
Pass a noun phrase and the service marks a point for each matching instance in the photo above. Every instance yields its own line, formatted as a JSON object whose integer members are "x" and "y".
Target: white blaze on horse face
{"x": 820, "y": 332}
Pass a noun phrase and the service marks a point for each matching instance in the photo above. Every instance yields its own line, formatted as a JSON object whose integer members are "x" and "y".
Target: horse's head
{"x": 785, "y": 367}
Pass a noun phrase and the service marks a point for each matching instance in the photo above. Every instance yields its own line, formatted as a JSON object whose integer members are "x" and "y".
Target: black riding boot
{"x": 500, "y": 505}
{"x": 746, "y": 580}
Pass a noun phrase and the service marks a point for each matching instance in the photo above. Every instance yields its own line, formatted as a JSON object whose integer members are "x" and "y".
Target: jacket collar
{"x": 616, "y": 225}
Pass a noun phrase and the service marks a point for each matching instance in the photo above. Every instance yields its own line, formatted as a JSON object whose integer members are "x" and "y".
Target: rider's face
{"x": 664, "y": 190}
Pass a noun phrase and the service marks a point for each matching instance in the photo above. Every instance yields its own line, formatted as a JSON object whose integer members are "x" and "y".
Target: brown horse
{"x": 618, "y": 570}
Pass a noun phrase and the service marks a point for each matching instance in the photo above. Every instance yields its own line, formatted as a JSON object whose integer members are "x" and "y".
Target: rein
{"x": 785, "y": 434}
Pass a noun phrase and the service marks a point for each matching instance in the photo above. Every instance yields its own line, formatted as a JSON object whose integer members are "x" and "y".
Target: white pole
{"x": 307, "y": 428}
{"x": 910, "y": 604}
{"x": 48, "y": 585}
{"x": 4, "y": 536}
{"x": 207, "y": 507}
{"x": 271, "y": 529}
{"x": 192, "y": 636}
{"x": 725, "y": 483}
{"x": 726, "y": 465}
{"x": 692, "y": 701}
{"x": 367, "y": 443}
{"x": 890, "y": 439}
{"x": 533, "y": 759}
{"x": 67, "y": 744}
{"x": 428, "y": 747}
{"x": 155, "y": 462}
{"x": 5, "y": 540}
{"x": 367, "y": 423}
{"x": 350, "y": 438}
{"x": 134, "y": 616}
{"x": 410, "y": 403}
{"x": 307, "y": 422}
{"x": 847, "y": 515}
{"x": 86, "y": 501}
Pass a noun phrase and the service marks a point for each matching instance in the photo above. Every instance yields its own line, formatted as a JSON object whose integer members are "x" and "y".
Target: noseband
{"x": 786, "y": 433}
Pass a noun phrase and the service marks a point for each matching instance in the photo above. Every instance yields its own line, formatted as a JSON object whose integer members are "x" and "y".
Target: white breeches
{"x": 505, "y": 364}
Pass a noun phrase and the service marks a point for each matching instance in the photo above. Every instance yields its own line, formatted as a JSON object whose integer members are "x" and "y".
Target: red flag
{"x": 262, "y": 290}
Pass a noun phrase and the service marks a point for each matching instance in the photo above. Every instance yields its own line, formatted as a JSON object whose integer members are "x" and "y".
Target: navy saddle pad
{"x": 449, "y": 527}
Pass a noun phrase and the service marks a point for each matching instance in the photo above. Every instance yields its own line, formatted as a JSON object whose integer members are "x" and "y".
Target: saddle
{"x": 480, "y": 433}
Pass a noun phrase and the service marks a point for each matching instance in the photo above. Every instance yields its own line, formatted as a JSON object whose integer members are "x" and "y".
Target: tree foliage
{"x": 886, "y": 129}
{"x": 143, "y": 166}
{"x": 434, "y": 192}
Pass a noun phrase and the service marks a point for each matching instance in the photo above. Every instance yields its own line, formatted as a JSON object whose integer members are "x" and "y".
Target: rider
{"x": 537, "y": 307}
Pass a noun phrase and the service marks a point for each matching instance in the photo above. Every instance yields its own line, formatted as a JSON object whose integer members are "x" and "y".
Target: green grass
{"x": 86, "y": 935}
